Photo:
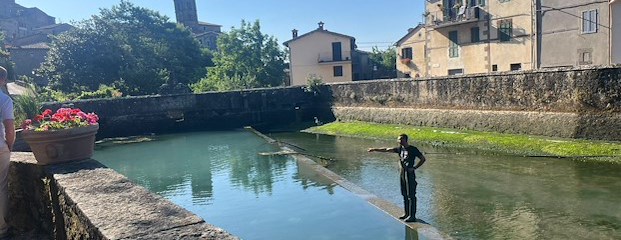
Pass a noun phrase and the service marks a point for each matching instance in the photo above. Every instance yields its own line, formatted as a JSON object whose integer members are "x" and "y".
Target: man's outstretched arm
{"x": 380, "y": 150}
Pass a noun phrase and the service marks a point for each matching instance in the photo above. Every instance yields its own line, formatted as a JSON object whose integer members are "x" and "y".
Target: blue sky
{"x": 372, "y": 22}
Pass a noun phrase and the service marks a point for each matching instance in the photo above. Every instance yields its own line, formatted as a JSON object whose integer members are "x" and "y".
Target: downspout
{"x": 533, "y": 58}
{"x": 539, "y": 28}
{"x": 610, "y": 32}
{"x": 489, "y": 39}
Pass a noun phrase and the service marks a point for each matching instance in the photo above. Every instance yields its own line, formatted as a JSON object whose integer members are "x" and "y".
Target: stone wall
{"x": 574, "y": 103}
{"x": 206, "y": 111}
{"x": 86, "y": 200}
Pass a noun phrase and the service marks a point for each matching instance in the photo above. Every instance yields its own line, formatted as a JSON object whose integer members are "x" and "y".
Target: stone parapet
{"x": 86, "y": 200}
{"x": 553, "y": 90}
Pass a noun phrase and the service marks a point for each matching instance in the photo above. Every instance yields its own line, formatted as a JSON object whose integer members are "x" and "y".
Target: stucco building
{"x": 331, "y": 56}
{"x": 206, "y": 33}
{"x": 574, "y": 32}
{"x": 479, "y": 36}
{"x": 615, "y": 36}
{"x": 470, "y": 36}
{"x": 411, "y": 52}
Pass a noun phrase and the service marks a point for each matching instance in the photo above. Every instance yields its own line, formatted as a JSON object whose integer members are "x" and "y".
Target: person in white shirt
{"x": 7, "y": 131}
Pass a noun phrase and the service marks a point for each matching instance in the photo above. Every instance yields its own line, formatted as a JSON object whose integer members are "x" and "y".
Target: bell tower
{"x": 186, "y": 12}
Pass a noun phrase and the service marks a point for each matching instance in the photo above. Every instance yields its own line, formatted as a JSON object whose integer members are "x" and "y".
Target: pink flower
{"x": 64, "y": 118}
{"x": 27, "y": 124}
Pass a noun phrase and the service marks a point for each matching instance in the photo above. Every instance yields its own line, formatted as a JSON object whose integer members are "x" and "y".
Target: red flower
{"x": 64, "y": 118}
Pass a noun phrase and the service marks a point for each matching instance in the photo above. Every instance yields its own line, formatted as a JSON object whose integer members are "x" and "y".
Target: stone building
{"x": 18, "y": 22}
{"x": 27, "y": 32}
{"x": 27, "y": 58}
{"x": 206, "y": 33}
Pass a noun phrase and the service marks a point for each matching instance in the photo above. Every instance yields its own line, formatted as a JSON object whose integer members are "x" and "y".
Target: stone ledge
{"x": 96, "y": 202}
{"x": 305, "y": 164}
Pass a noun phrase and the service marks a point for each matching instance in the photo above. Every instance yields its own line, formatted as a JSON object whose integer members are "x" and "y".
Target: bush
{"x": 26, "y": 107}
{"x": 103, "y": 92}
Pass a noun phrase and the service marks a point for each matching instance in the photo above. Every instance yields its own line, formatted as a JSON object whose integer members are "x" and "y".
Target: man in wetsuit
{"x": 408, "y": 155}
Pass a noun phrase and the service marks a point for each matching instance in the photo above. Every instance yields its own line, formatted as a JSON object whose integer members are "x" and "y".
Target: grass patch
{"x": 496, "y": 142}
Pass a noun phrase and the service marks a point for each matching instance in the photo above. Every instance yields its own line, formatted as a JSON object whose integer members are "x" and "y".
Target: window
{"x": 589, "y": 21}
{"x": 505, "y": 30}
{"x": 474, "y": 37}
{"x": 585, "y": 56}
{"x": 516, "y": 67}
{"x": 494, "y": 68}
{"x": 453, "y": 44}
{"x": 336, "y": 52}
{"x": 338, "y": 71}
{"x": 453, "y": 72}
{"x": 406, "y": 53}
{"x": 482, "y": 3}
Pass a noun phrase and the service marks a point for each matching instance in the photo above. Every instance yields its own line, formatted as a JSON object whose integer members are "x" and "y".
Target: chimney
{"x": 320, "y": 25}
{"x": 294, "y": 32}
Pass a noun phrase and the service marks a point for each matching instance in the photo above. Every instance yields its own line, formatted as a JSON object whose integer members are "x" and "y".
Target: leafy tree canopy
{"x": 385, "y": 61}
{"x": 246, "y": 58}
{"x": 4, "y": 56}
{"x": 130, "y": 48}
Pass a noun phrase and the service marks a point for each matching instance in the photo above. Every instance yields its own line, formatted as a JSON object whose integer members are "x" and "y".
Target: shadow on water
{"x": 471, "y": 195}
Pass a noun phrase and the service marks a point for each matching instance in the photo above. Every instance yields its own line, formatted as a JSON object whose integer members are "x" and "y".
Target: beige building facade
{"x": 478, "y": 36}
{"x": 321, "y": 54}
{"x": 615, "y": 24}
{"x": 573, "y": 33}
{"x": 481, "y": 36}
{"x": 411, "y": 53}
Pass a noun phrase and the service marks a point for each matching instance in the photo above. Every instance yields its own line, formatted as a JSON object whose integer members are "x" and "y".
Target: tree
{"x": 4, "y": 57}
{"x": 385, "y": 61}
{"x": 246, "y": 58}
{"x": 131, "y": 48}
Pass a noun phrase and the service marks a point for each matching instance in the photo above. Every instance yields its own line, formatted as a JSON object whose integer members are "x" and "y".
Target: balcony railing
{"x": 454, "y": 16}
{"x": 328, "y": 57}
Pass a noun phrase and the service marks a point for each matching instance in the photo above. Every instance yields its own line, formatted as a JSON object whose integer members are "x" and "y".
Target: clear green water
{"x": 220, "y": 177}
{"x": 469, "y": 195}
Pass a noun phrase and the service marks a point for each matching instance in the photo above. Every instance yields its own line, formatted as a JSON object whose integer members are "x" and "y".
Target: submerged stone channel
{"x": 474, "y": 195}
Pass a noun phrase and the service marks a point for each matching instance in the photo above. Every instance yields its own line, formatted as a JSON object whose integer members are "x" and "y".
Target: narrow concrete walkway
{"x": 425, "y": 231}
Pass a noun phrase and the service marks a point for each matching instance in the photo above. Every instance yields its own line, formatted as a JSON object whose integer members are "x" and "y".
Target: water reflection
{"x": 470, "y": 195}
{"x": 220, "y": 177}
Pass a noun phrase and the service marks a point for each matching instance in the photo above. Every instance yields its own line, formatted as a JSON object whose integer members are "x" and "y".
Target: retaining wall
{"x": 571, "y": 103}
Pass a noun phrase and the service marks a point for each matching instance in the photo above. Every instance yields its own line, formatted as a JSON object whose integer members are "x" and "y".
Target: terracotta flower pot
{"x": 58, "y": 146}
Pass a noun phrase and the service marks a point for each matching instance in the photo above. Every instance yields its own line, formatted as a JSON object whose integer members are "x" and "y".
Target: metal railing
{"x": 453, "y": 15}
{"x": 329, "y": 57}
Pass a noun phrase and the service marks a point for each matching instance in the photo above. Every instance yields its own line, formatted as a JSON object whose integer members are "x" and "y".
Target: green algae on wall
{"x": 494, "y": 142}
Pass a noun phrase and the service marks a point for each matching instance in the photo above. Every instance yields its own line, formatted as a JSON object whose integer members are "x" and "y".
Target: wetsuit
{"x": 407, "y": 157}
